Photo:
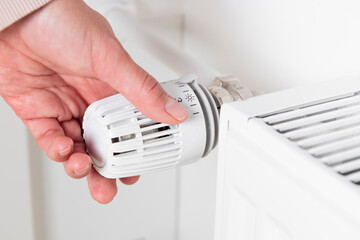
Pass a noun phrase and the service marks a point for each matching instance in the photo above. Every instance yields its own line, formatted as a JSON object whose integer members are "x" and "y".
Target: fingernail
{"x": 66, "y": 151}
{"x": 175, "y": 109}
{"x": 82, "y": 171}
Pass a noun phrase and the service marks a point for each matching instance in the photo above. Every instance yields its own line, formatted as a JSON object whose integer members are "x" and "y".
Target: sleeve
{"x": 13, "y": 10}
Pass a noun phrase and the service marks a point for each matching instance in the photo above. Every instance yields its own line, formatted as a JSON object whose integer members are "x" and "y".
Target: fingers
{"x": 113, "y": 65}
{"x": 50, "y": 137}
{"x": 56, "y": 139}
{"x": 79, "y": 163}
{"x": 129, "y": 180}
{"x": 102, "y": 190}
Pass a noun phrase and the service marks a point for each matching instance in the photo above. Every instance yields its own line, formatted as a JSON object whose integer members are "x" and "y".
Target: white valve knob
{"x": 122, "y": 142}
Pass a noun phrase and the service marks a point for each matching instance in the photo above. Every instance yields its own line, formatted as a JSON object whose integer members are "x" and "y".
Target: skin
{"x": 57, "y": 61}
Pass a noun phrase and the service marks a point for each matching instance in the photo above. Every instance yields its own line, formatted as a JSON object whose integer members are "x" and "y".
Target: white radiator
{"x": 289, "y": 165}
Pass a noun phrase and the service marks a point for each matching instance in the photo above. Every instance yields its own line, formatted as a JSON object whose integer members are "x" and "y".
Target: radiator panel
{"x": 291, "y": 160}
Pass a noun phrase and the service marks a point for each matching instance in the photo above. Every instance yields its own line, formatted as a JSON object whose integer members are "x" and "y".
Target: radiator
{"x": 289, "y": 165}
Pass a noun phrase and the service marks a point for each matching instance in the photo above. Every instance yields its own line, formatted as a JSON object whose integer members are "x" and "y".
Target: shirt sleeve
{"x": 13, "y": 10}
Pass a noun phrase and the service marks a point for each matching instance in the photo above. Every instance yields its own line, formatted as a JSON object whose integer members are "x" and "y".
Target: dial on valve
{"x": 122, "y": 142}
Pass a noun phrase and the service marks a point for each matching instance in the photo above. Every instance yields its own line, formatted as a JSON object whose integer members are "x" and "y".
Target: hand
{"x": 56, "y": 62}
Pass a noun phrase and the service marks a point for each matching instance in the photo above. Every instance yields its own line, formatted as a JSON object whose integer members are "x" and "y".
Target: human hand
{"x": 56, "y": 62}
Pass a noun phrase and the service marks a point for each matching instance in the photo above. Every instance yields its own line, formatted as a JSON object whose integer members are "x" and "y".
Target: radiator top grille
{"x": 328, "y": 130}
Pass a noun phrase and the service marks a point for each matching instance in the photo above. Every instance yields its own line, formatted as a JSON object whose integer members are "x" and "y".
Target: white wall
{"x": 276, "y": 44}
{"x": 16, "y": 219}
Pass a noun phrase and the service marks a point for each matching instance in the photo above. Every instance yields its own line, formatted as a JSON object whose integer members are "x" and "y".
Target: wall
{"x": 16, "y": 213}
{"x": 276, "y": 44}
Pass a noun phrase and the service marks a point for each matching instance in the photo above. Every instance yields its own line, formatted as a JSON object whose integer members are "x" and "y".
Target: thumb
{"x": 115, "y": 66}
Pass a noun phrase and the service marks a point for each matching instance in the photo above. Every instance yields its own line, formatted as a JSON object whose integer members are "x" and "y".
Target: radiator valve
{"x": 122, "y": 142}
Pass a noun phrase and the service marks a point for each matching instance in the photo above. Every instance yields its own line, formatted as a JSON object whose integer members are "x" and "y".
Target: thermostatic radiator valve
{"x": 122, "y": 142}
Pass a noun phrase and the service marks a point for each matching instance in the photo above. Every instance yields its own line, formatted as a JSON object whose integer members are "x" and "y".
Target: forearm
{"x": 13, "y": 10}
